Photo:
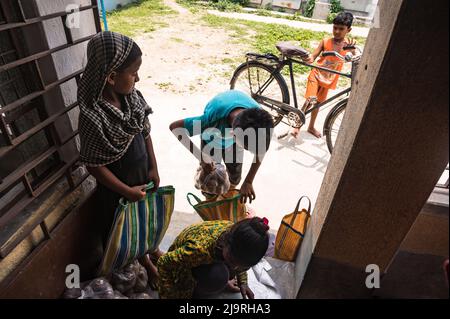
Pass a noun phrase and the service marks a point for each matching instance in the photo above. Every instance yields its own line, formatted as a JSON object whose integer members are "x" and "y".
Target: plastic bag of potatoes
{"x": 130, "y": 282}
{"x": 215, "y": 183}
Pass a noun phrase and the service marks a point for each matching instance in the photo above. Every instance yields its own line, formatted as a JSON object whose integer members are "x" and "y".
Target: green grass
{"x": 343, "y": 82}
{"x": 192, "y": 6}
{"x": 267, "y": 35}
{"x": 222, "y": 5}
{"x": 178, "y": 40}
{"x": 164, "y": 85}
{"x": 227, "y": 60}
{"x": 148, "y": 15}
{"x": 264, "y": 38}
{"x": 142, "y": 16}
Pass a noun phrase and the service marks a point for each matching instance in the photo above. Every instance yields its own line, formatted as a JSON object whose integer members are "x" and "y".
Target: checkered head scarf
{"x": 105, "y": 131}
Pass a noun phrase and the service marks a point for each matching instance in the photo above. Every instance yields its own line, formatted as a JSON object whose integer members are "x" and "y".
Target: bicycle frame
{"x": 290, "y": 63}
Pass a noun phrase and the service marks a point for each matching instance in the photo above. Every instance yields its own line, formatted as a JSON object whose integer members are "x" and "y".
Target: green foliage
{"x": 268, "y": 6}
{"x": 241, "y": 2}
{"x": 238, "y": 2}
{"x": 221, "y": 5}
{"x": 331, "y": 17}
{"x": 264, "y": 13}
{"x": 227, "y": 5}
{"x": 309, "y": 9}
{"x": 335, "y": 9}
{"x": 336, "y": 6}
{"x": 267, "y": 35}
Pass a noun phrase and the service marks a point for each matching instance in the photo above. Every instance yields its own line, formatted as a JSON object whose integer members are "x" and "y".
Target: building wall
{"x": 69, "y": 60}
{"x": 289, "y": 4}
{"x": 416, "y": 271}
{"x": 43, "y": 276}
{"x": 361, "y": 8}
{"x": 59, "y": 65}
{"x": 365, "y": 8}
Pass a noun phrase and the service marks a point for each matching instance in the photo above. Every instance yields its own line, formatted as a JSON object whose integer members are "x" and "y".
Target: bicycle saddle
{"x": 289, "y": 49}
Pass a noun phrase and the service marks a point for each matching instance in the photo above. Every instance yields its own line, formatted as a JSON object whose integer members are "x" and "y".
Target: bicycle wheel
{"x": 333, "y": 122}
{"x": 251, "y": 77}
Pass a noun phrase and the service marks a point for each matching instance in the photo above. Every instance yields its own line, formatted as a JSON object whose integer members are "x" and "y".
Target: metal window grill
{"x": 2, "y": 17}
{"x": 22, "y": 88}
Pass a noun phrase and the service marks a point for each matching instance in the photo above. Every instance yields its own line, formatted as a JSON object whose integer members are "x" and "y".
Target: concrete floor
{"x": 281, "y": 273}
{"x": 292, "y": 168}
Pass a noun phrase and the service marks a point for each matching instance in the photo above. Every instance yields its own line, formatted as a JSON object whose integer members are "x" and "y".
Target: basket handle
{"x": 190, "y": 200}
{"x": 297, "y": 208}
{"x": 124, "y": 202}
{"x": 149, "y": 186}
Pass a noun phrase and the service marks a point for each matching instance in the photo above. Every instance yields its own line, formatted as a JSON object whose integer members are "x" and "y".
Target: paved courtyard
{"x": 178, "y": 78}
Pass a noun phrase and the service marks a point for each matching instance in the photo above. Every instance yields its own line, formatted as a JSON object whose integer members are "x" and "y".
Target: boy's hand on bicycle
{"x": 309, "y": 59}
{"x": 247, "y": 192}
{"x": 350, "y": 42}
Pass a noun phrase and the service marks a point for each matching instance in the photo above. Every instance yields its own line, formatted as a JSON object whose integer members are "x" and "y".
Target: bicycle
{"x": 261, "y": 70}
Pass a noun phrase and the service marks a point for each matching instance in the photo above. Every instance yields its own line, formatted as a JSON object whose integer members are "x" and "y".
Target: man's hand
{"x": 136, "y": 193}
{"x": 247, "y": 192}
{"x": 154, "y": 177}
{"x": 246, "y": 292}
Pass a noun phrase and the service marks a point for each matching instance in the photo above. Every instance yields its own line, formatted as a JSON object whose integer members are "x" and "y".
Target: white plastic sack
{"x": 283, "y": 274}
{"x": 272, "y": 279}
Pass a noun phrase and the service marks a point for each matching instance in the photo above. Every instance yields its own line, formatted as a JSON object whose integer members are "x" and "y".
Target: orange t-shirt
{"x": 326, "y": 79}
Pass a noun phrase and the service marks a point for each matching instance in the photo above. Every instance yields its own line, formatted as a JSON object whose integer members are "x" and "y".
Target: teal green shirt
{"x": 213, "y": 125}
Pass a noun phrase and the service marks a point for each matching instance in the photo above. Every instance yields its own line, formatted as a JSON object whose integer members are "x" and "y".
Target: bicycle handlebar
{"x": 349, "y": 57}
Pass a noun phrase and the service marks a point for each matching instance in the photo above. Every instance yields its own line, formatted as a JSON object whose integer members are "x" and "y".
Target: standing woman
{"x": 116, "y": 146}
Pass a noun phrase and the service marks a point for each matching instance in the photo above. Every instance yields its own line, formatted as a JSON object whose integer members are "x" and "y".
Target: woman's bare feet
{"x": 152, "y": 271}
{"x": 153, "y": 276}
{"x": 314, "y": 132}
{"x": 232, "y": 286}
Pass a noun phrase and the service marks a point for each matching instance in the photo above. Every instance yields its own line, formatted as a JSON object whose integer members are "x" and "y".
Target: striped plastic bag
{"x": 138, "y": 228}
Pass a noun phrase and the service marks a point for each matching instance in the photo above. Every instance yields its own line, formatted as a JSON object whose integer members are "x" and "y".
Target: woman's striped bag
{"x": 138, "y": 228}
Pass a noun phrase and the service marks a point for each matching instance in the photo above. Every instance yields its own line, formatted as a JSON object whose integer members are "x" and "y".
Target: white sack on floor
{"x": 272, "y": 279}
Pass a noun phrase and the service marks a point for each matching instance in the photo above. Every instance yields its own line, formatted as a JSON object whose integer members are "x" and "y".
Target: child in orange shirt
{"x": 319, "y": 82}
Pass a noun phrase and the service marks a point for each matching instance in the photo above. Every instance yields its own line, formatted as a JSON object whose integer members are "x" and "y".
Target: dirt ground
{"x": 186, "y": 57}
